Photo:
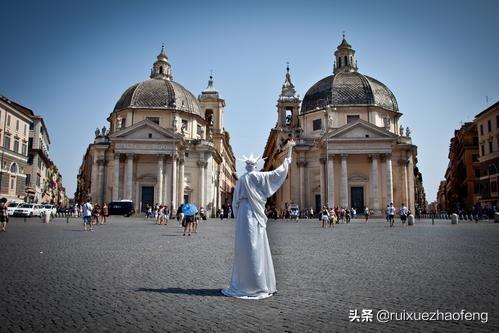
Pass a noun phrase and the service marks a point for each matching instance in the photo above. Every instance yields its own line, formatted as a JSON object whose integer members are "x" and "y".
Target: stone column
{"x": 174, "y": 182}
{"x": 389, "y": 178}
{"x": 405, "y": 190}
{"x": 116, "y": 183}
{"x": 344, "y": 181}
{"x": 159, "y": 181}
{"x": 202, "y": 190}
{"x": 100, "y": 181}
{"x": 181, "y": 177}
{"x": 374, "y": 183}
{"x": 323, "y": 181}
{"x": 129, "y": 176}
{"x": 301, "y": 165}
{"x": 330, "y": 181}
{"x": 166, "y": 182}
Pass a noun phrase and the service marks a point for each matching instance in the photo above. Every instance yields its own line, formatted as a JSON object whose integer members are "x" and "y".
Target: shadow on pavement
{"x": 197, "y": 292}
{"x": 73, "y": 230}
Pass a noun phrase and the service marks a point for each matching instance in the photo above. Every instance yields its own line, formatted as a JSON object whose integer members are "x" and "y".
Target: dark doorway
{"x": 357, "y": 198}
{"x": 318, "y": 203}
{"x": 147, "y": 197}
{"x": 186, "y": 197}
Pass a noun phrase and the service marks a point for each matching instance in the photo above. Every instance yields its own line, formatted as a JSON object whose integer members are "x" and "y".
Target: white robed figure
{"x": 253, "y": 274}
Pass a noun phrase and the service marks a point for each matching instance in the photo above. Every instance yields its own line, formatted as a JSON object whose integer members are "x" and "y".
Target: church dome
{"x": 160, "y": 92}
{"x": 348, "y": 87}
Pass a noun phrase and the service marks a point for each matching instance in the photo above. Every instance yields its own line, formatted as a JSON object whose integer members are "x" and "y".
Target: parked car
{"x": 28, "y": 210}
{"x": 49, "y": 209}
{"x": 12, "y": 207}
{"x": 124, "y": 207}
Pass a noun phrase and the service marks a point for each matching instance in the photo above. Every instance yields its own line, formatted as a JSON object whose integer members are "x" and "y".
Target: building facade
{"x": 15, "y": 120}
{"x": 351, "y": 151}
{"x": 462, "y": 174}
{"x": 163, "y": 146}
{"x": 487, "y": 124}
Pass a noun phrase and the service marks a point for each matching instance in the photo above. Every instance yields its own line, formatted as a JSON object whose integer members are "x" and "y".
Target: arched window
{"x": 339, "y": 62}
{"x": 346, "y": 61}
{"x": 160, "y": 69}
{"x": 13, "y": 168}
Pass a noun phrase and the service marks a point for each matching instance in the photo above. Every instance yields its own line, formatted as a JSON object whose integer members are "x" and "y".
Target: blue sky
{"x": 70, "y": 61}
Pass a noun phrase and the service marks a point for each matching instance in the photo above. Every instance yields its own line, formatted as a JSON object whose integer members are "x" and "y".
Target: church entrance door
{"x": 357, "y": 198}
{"x": 147, "y": 197}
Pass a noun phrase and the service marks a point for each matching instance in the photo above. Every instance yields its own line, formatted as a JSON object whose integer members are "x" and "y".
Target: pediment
{"x": 144, "y": 129}
{"x": 360, "y": 129}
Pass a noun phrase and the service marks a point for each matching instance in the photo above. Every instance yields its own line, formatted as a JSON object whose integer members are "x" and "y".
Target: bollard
{"x": 67, "y": 219}
{"x": 433, "y": 219}
{"x": 454, "y": 218}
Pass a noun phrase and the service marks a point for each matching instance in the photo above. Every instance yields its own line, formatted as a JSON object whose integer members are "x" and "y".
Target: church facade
{"x": 352, "y": 150}
{"x": 163, "y": 146}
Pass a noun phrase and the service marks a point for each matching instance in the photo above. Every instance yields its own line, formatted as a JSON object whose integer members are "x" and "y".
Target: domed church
{"x": 352, "y": 150}
{"x": 163, "y": 145}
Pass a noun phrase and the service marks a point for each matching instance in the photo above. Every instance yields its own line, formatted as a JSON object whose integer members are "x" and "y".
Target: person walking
{"x": 96, "y": 214}
{"x": 324, "y": 216}
{"x": 390, "y": 213}
{"x": 86, "y": 211}
{"x": 366, "y": 214}
{"x": 4, "y": 217}
{"x": 105, "y": 213}
{"x": 190, "y": 210}
{"x": 403, "y": 212}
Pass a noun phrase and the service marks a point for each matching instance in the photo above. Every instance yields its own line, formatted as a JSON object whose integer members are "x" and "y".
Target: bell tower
{"x": 288, "y": 104}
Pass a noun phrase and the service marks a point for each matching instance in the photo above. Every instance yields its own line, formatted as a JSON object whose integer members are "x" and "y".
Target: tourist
{"x": 332, "y": 218}
{"x": 390, "y": 212}
{"x": 148, "y": 211}
{"x": 4, "y": 217}
{"x": 403, "y": 212}
{"x": 221, "y": 213}
{"x": 366, "y": 214}
{"x": 190, "y": 210}
{"x": 354, "y": 213}
{"x": 202, "y": 213}
{"x": 325, "y": 216}
{"x": 105, "y": 213}
{"x": 86, "y": 210}
{"x": 229, "y": 212}
{"x": 195, "y": 223}
{"x": 180, "y": 215}
{"x": 347, "y": 215}
{"x": 96, "y": 214}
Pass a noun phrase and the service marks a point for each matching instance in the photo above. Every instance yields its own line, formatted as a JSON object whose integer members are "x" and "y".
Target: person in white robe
{"x": 253, "y": 274}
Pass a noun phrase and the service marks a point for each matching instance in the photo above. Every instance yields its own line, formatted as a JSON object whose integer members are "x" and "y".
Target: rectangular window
{"x": 31, "y": 126}
{"x": 39, "y": 163}
{"x": 8, "y": 120}
{"x": 200, "y": 131}
{"x": 30, "y": 143}
{"x": 17, "y": 125}
{"x": 483, "y": 150}
{"x": 481, "y": 129}
{"x": 351, "y": 118}
{"x": 37, "y": 180}
{"x": 6, "y": 142}
{"x": 493, "y": 186}
{"x": 25, "y": 129}
{"x": 489, "y": 125}
{"x": 184, "y": 125}
{"x": 490, "y": 147}
{"x": 16, "y": 146}
{"x": 28, "y": 179}
{"x": 12, "y": 182}
{"x": 317, "y": 124}
{"x": 154, "y": 119}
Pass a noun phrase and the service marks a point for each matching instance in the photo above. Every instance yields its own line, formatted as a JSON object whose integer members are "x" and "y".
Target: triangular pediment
{"x": 360, "y": 129}
{"x": 144, "y": 129}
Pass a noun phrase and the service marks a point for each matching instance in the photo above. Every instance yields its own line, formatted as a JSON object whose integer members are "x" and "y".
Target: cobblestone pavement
{"x": 134, "y": 276}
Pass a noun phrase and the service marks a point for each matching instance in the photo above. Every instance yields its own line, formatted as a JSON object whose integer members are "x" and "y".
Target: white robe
{"x": 252, "y": 270}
